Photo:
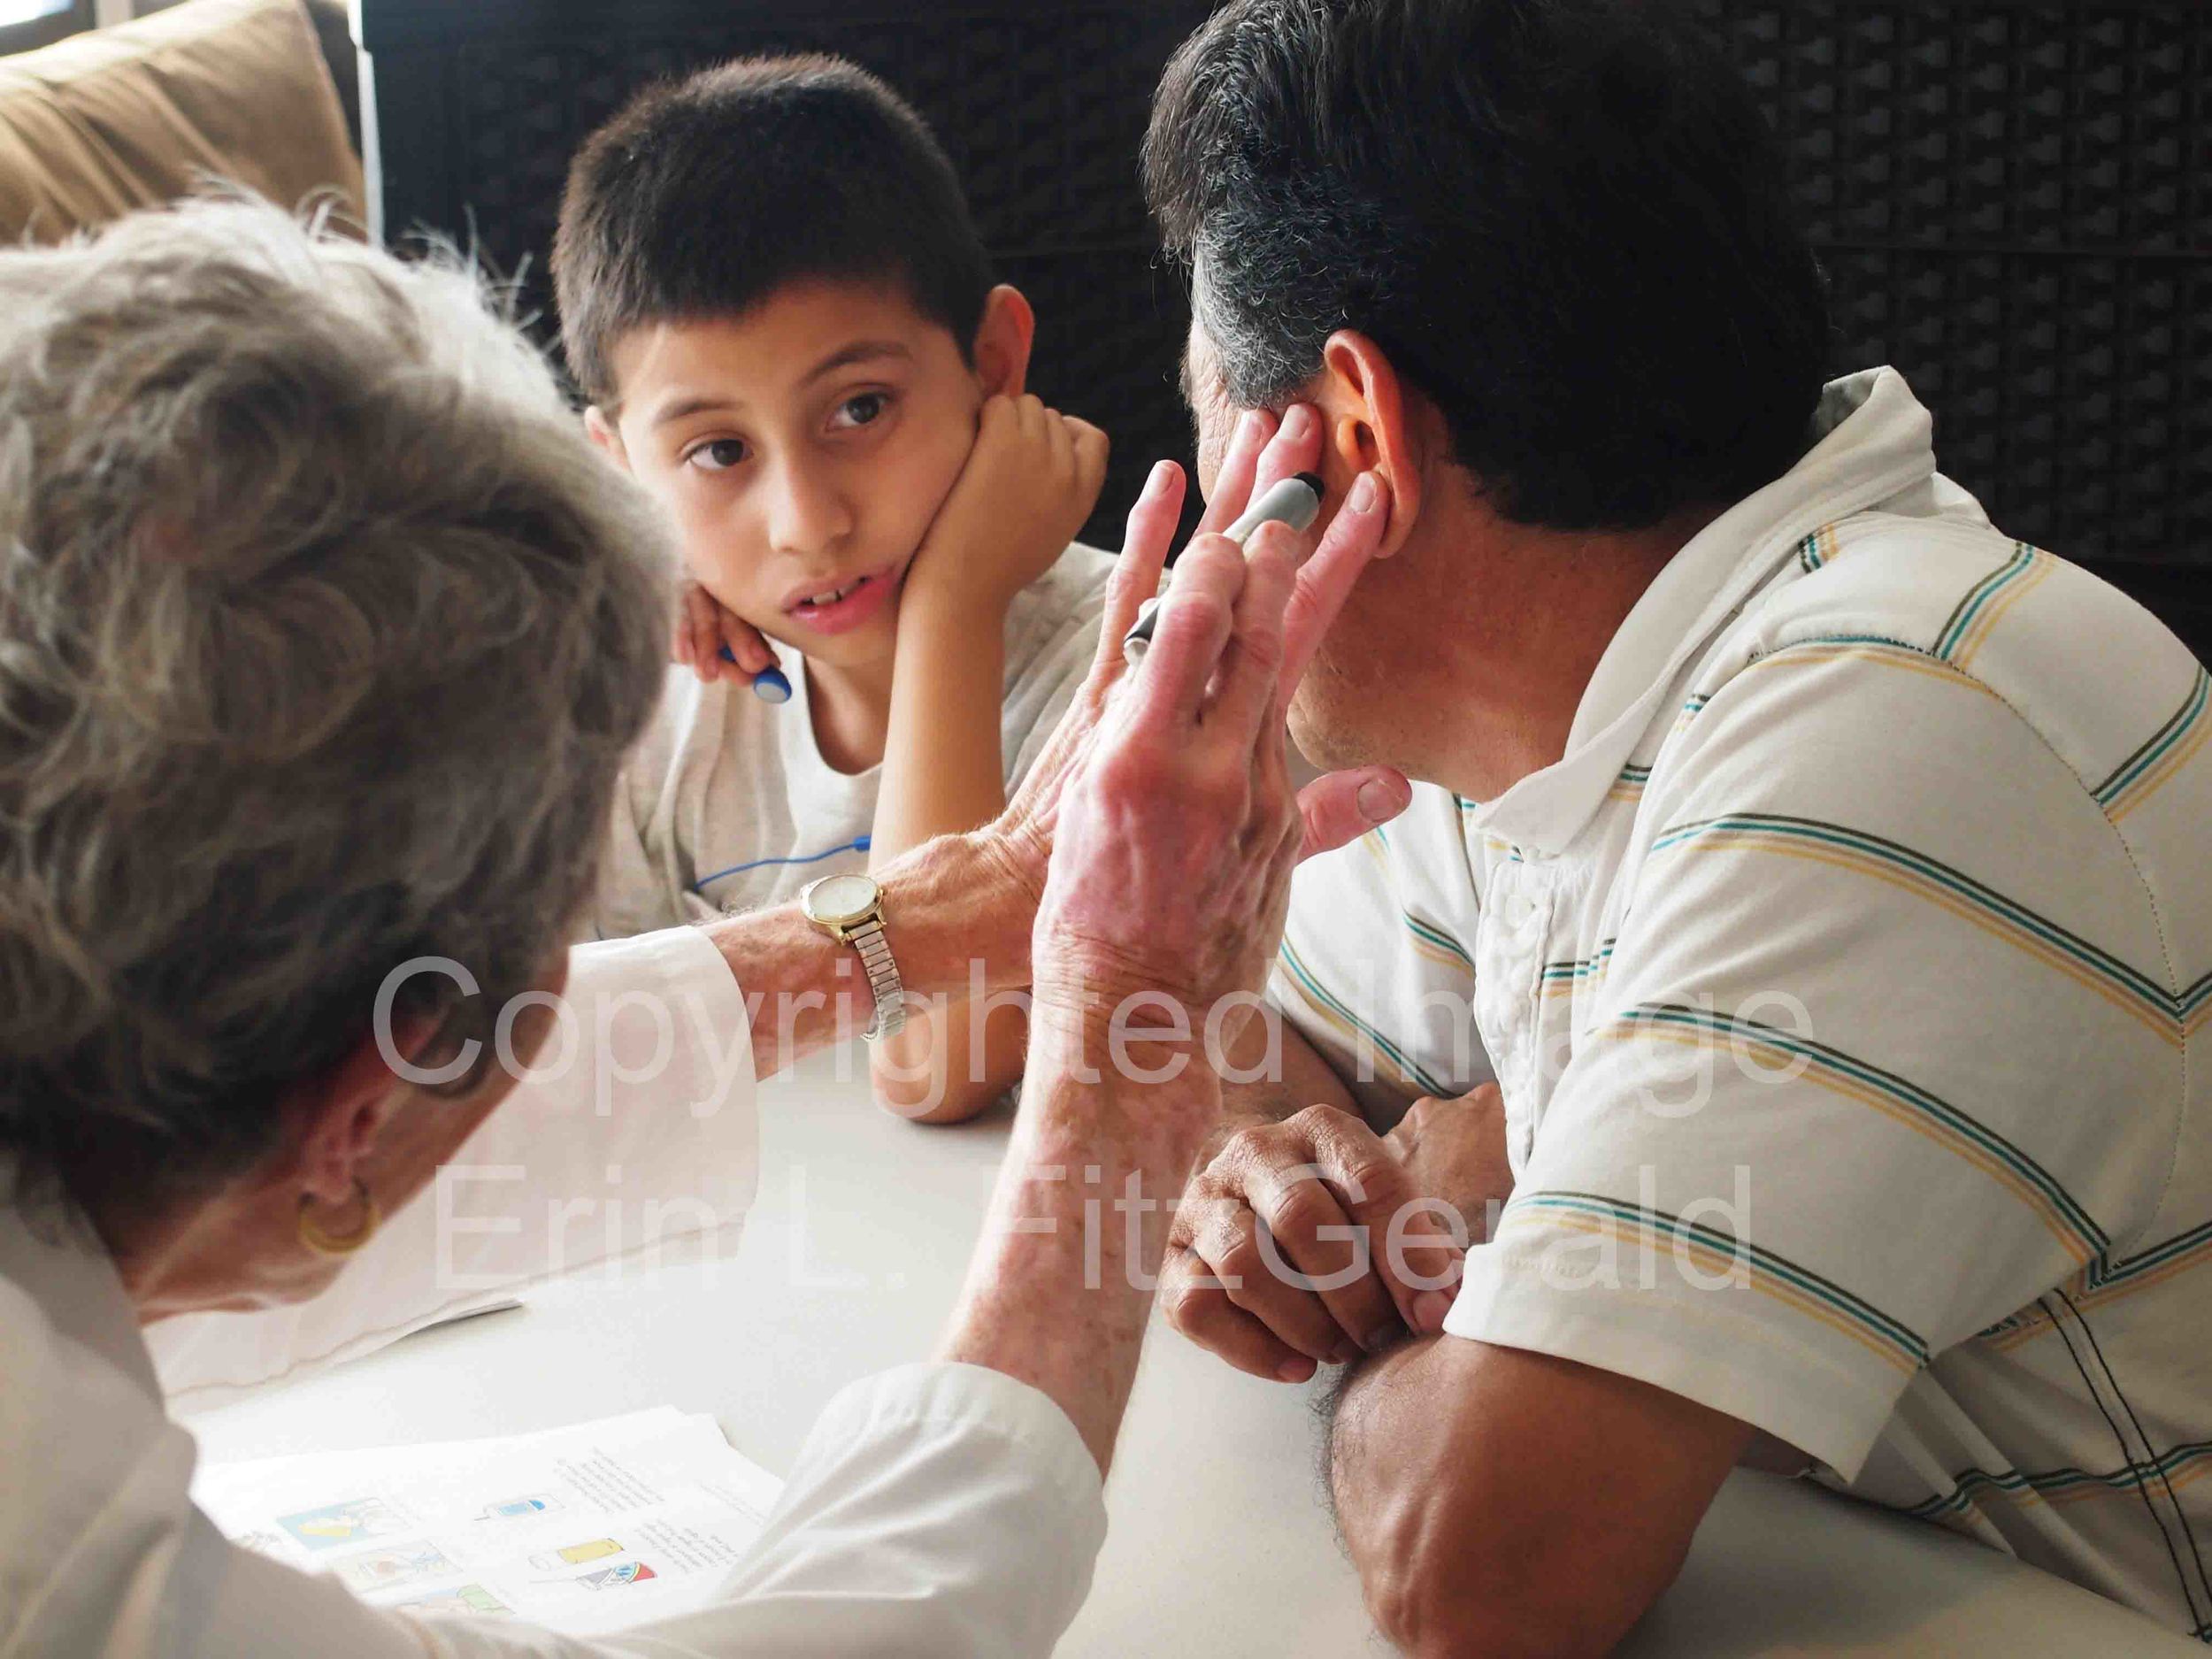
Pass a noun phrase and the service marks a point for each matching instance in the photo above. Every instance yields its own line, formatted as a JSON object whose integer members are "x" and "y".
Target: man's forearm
{"x": 1060, "y": 1290}
{"x": 1461, "y": 1475}
{"x": 949, "y": 903}
{"x": 1286, "y": 1074}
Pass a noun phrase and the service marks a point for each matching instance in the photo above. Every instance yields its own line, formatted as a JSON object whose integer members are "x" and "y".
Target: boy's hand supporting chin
{"x": 1029, "y": 483}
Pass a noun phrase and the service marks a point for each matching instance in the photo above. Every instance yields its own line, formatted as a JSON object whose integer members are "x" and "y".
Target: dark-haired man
{"x": 1821, "y": 871}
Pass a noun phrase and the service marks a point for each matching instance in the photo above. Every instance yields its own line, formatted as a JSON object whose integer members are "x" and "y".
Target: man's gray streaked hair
{"x": 323, "y": 631}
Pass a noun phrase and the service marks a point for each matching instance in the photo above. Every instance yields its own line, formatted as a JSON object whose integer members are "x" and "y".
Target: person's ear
{"x": 338, "y": 1113}
{"x": 1002, "y": 340}
{"x": 1369, "y": 424}
{"x": 602, "y": 431}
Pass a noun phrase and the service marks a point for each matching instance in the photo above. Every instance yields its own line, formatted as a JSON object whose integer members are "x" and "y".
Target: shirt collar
{"x": 55, "y": 1260}
{"x": 1871, "y": 439}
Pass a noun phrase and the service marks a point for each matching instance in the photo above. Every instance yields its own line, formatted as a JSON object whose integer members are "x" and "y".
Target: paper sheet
{"x": 583, "y": 1530}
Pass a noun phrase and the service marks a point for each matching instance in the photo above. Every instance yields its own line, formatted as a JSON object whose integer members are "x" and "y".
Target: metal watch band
{"x": 883, "y": 978}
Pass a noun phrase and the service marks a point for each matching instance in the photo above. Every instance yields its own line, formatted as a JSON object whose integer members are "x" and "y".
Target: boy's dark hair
{"x": 1565, "y": 221}
{"x": 707, "y": 194}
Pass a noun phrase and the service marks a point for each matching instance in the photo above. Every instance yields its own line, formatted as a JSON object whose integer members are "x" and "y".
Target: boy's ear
{"x": 1002, "y": 340}
{"x": 606, "y": 434}
{"x": 1369, "y": 422}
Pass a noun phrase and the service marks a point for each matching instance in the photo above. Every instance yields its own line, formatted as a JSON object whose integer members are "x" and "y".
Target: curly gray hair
{"x": 323, "y": 631}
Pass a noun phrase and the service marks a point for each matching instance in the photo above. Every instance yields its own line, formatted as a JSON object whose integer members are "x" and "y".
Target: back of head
{"x": 705, "y": 195}
{"x": 1565, "y": 221}
{"x": 322, "y": 634}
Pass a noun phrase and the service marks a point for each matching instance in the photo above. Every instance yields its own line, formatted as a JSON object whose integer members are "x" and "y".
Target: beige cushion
{"x": 131, "y": 116}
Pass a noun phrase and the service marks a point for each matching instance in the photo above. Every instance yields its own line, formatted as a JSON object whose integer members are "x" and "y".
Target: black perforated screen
{"x": 2013, "y": 197}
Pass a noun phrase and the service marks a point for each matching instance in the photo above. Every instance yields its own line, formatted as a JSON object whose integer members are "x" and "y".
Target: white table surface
{"x": 1221, "y": 1544}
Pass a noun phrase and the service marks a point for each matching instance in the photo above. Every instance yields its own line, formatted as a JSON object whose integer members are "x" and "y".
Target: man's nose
{"x": 809, "y": 512}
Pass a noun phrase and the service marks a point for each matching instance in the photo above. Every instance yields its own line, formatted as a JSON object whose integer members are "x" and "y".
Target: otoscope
{"x": 1295, "y": 501}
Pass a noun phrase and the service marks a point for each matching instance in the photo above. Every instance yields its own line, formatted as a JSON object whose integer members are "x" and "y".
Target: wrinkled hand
{"x": 705, "y": 629}
{"x": 1316, "y": 1240}
{"x": 1028, "y": 485}
{"x": 1171, "y": 870}
{"x": 1335, "y": 810}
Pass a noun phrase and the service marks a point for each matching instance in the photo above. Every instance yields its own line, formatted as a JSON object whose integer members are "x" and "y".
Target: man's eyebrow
{"x": 858, "y": 351}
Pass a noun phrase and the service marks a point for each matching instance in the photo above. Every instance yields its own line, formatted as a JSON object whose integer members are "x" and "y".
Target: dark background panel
{"x": 2014, "y": 202}
{"x": 1041, "y": 108}
{"x": 2013, "y": 198}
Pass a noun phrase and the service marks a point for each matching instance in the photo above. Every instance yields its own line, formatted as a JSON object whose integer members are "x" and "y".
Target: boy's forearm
{"x": 943, "y": 766}
{"x": 940, "y": 1069}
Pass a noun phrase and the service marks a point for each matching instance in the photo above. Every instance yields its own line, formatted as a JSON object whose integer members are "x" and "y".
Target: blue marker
{"x": 769, "y": 685}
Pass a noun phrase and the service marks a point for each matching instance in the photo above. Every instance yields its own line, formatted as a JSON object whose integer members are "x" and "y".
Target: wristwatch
{"x": 850, "y": 909}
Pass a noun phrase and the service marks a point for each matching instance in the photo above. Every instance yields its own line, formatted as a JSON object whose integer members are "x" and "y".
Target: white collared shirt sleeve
{"x": 1867, "y": 1072}
{"x": 936, "y": 1512}
{"x": 632, "y": 1136}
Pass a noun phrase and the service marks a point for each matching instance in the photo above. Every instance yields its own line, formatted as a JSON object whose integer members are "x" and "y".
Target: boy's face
{"x": 802, "y": 449}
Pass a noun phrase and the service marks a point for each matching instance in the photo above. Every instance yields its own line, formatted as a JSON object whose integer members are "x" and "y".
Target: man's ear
{"x": 1002, "y": 340}
{"x": 606, "y": 434}
{"x": 1369, "y": 423}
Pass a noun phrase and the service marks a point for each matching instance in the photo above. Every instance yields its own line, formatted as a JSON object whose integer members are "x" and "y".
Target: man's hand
{"x": 1029, "y": 483}
{"x": 1454, "y": 1150}
{"x": 1316, "y": 1240}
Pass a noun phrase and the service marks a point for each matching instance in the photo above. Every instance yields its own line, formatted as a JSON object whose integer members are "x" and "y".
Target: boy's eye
{"x": 718, "y": 456}
{"x": 863, "y": 410}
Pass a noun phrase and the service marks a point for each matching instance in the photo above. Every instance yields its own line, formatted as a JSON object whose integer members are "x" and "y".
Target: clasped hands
{"x": 1316, "y": 1241}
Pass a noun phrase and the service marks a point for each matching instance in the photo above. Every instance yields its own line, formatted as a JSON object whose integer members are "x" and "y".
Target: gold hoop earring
{"x": 323, "y": 1242}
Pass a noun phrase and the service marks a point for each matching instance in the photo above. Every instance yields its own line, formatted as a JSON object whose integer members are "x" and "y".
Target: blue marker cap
{"x": 769, "y": 685}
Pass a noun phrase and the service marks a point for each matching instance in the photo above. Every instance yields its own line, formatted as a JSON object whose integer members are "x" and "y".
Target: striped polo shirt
{"x": 1849, "y": 986}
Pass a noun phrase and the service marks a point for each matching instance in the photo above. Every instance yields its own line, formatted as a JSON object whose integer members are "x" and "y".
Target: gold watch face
{"x": 840, "y": 900}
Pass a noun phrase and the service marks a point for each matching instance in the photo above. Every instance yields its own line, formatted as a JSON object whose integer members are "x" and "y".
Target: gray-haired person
{"x": 322, "y": 631}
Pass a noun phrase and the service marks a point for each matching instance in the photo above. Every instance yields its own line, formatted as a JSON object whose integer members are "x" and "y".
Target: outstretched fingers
{"x": 1196, "y": 620}
{"x": 1239, "y": 466}
{"x": 1246, "y": 692}
{"x": 1158, "y": 509}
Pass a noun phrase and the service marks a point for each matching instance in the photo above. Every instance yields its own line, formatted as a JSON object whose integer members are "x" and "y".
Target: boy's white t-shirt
{"x": 726, "y": 803}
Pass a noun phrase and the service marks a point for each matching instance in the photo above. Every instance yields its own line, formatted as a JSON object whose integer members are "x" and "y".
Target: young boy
{"x": 773, "y": 299}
